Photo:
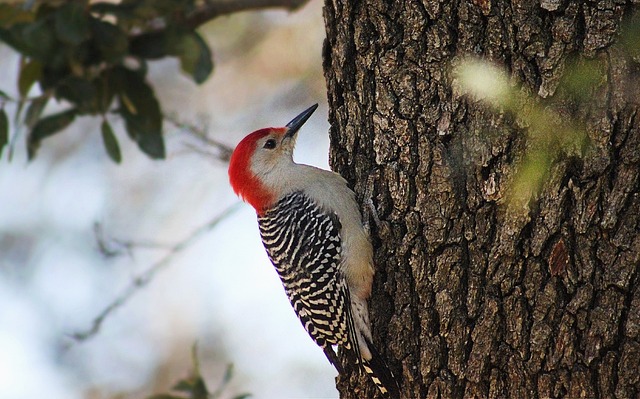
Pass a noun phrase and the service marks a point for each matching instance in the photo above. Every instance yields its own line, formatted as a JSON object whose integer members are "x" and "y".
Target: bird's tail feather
{"x": 380, "y": 374}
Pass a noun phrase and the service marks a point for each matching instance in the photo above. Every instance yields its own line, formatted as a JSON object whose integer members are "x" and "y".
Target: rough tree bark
{"x": 473, "y": 298}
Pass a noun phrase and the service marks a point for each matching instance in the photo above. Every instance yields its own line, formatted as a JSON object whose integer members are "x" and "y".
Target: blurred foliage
{"x": 195, "y": 387}
{"x": 93, "y": 56}
{"x": 550, "y": 133}
{"x": 4, "y": 128}
{"x": 553, "y": 128}
{"x": 631, "y": 36}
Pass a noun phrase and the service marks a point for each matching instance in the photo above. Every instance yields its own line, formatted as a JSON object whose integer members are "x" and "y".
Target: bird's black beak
{"x": 299, "y": 120}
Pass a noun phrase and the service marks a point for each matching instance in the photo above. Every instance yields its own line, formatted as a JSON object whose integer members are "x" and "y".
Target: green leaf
{"x": 242, "y": 396}
{"x": 33, "y": 39}
{"x": 582, "y": 77}
{"x": 228, "y": 375}
{"x": 109, "y": 39}
{"x": 141, "y": 112}
{"x": 110, "y": 142}
{"x": 51, "y": 78}
{"x": 47, "y": 8}
{"x": 47, "y": 127}
{"x": 13, "y": 37}
{"x": 80, "y": 92}
{"x": 72, "y": 24}
{"x": 194, "y": 386}
{"x": 30, "y": 72}
{"x": 7, "y": 37}
{"x": 104, "y": 93}
{"x": 4, "y": 95}
{"x": 38, "y": 38}
{"x": 151, "y": 46}
{"x": 13, "y": 13}
{"x": 530, "y": 177}
{"x": 195, "y": 57}
{"x": 630, "y": 35}
{"x": 185, "y": 385}
{"x": 200, "y": 390}
{"x": 4, "y": 129}
{"x": 35, "y": 110}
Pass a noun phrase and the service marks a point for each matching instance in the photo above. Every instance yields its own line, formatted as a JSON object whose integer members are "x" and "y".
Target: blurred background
{"x": 57, "y": 275}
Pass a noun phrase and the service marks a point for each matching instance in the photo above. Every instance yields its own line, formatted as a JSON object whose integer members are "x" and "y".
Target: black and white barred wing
{"x": 303, "y": 243}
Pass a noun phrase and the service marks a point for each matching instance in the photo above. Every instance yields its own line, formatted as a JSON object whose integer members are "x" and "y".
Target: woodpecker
{"x": 312, "y": 230}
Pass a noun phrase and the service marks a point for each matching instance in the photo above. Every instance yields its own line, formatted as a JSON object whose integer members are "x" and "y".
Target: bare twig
{"x": 143, "y": 279}
{"x": 224, "y": 151}
{"x": 217, "y": 8}
{"x": 111, "y": 247}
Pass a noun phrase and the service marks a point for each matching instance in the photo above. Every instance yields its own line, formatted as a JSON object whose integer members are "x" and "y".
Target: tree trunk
{"x": 474, "y": 297}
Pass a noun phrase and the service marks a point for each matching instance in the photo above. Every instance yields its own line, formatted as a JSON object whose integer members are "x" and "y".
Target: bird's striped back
{"x": 303, "y": 243}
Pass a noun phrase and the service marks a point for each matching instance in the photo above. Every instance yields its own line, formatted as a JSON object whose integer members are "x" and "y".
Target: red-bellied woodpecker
{"x": 312, "y": 229}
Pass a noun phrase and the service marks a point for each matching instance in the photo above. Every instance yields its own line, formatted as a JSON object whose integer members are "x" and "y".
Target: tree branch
{"x": 143, "y": 279}
{"x": 211, "y": 10}
{"x": 223, "y": 151}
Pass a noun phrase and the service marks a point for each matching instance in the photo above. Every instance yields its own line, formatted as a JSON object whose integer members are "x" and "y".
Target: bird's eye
{"x": 269, "y": 144}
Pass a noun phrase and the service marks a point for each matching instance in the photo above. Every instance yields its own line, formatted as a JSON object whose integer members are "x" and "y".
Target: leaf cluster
{"x": 195, "y": 387}
{"x": 93, "y": 57}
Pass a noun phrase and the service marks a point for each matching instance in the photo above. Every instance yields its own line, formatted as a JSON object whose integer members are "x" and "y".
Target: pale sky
{"x": 222, "y": 292}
